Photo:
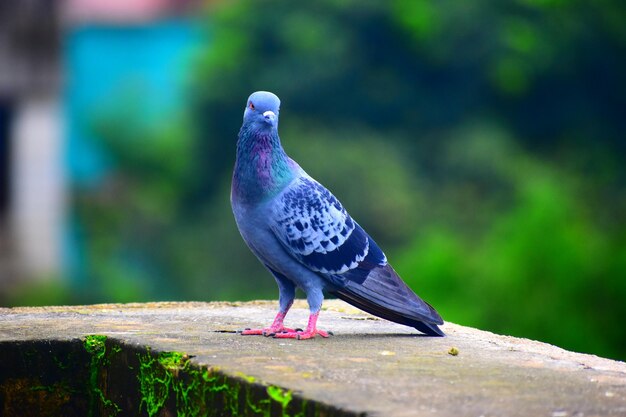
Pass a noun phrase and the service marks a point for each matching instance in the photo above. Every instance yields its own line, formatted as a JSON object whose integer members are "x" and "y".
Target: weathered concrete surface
{"x": 369, "y": 366}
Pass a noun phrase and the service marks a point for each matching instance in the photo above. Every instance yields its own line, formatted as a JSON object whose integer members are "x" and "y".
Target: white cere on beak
{"x": 269, "y": 113}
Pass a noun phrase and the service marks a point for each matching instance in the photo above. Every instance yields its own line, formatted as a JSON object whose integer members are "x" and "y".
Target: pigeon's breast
{"x": 254, "y": 228}
{"x": 253, "y": 224}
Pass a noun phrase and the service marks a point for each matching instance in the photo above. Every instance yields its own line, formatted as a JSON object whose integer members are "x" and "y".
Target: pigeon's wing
{"x": 314, "y": 228}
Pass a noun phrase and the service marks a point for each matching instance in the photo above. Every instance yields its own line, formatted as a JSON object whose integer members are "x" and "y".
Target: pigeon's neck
{"x": 262, "y": 168}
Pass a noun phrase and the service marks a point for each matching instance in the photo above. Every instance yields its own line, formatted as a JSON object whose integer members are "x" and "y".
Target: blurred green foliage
{"x": 542, "y": 267}
{"x": 480, "y": 143}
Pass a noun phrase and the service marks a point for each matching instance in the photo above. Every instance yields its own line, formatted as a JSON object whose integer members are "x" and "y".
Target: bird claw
{"x": 247, "y": 332}
{"x": 302, "y": 335}
{"x": 267, "y": 332}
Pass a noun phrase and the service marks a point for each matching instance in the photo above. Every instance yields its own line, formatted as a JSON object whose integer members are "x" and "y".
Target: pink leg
{"x": 276, "y": 327}
{"x": 309, "y": 333}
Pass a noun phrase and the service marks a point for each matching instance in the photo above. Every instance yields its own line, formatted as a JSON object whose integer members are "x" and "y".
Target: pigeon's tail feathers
{"x": 384, "y": 294}
{"x": 350, "y": 297}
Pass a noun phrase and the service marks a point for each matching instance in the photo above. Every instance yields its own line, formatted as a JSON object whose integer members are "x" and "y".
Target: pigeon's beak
{"x": 270, "y": 117}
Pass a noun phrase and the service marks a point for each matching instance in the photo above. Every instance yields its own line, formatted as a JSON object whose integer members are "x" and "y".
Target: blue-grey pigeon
{"x": 306, "y": 239}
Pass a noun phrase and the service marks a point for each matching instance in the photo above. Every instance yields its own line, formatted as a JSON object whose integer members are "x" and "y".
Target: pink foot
{"x": 268, "y": 331}
{"x": 301, "y": 335}
{"x": 310, "y": 332}
{"x": 275, "y": 328}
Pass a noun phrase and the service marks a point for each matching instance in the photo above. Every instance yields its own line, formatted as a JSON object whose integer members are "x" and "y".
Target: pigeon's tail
{"x": 384, "y": 294}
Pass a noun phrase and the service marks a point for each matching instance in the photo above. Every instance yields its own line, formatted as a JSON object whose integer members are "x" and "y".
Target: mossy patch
{"x": 167, "y": 379}
{"x": 98, "y": 376}
{"x": 95, "y": 345}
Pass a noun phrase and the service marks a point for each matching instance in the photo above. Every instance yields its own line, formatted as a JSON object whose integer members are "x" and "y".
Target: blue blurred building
{"x": 60, "y": 64}
{"x": 107, "y": 63}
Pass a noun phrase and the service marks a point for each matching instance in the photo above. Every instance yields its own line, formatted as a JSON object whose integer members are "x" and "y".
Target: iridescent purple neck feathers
{"x": 262, "y": 168}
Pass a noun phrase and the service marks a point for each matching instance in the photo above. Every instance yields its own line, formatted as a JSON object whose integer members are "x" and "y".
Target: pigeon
{"x": 305, "y": 237}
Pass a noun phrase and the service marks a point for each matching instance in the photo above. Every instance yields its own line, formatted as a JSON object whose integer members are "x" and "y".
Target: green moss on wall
{"x": 169, "y": 376}
{"x": 98, "y": 376}
{"x": 95, "y": 345}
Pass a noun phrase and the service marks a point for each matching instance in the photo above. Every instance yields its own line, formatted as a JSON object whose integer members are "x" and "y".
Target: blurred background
{"x": 480, "y": 143}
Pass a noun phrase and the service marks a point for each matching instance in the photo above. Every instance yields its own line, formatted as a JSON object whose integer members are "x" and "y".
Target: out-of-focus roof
{"x": 125, "y": 11}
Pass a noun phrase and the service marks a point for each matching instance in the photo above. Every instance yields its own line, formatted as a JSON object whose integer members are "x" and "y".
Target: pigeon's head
{"x": 262, "y": 110}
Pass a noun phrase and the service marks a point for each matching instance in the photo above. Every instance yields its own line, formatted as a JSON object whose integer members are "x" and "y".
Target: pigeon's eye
{"x": 251, "y": 106}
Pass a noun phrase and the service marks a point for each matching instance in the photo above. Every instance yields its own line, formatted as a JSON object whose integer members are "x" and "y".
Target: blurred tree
{"x": 543, "y": 267}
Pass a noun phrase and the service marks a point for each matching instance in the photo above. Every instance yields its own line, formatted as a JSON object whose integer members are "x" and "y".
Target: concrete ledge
{"x": 164, "y": 359}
